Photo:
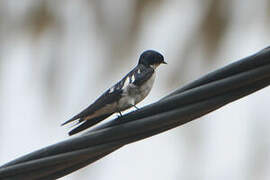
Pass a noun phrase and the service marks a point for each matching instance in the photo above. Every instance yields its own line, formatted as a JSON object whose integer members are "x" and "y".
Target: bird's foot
{"x": 120, "y": 115}
{"x": 136, "y": 107}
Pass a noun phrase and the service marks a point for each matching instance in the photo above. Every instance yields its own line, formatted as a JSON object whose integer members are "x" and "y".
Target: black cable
{"x": 183, "y": 105}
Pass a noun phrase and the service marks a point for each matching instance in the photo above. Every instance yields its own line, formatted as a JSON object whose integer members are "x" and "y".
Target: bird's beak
{"x": 164, "y": 62}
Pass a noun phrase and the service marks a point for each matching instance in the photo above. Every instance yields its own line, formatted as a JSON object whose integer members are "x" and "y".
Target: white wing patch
{"x": 111, "y": 89}
{"x": 126, "y": 83}
{"x": 132, "y": 78}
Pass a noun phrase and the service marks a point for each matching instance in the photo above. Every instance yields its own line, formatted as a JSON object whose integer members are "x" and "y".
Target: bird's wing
{"x": 137, "y": 76}
{"x": 106, "y": 98}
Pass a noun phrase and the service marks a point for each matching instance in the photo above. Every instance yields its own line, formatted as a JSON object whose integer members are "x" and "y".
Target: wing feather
{"x": 106, "y": 98}
{"x": 137, "y": 76}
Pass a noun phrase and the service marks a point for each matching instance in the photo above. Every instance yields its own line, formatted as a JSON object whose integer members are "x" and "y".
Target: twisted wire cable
{"x": 194, "y": 100}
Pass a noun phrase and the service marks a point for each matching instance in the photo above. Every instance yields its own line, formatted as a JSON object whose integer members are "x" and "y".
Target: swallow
{"x": 129, "y": 91}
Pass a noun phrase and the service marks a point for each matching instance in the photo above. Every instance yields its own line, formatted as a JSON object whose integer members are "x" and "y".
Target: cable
{"x": 194, "y": 100}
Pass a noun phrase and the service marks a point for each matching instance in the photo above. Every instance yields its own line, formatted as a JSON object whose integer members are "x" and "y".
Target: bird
{"x": 126, "y": 93}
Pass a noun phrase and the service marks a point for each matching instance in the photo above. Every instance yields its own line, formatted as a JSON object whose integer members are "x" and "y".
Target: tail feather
{"x": 88, "y": 123}
{"x": 72, "y": 119}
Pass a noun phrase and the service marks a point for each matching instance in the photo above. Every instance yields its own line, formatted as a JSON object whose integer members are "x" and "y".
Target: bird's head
{"x": 151, "y": 58}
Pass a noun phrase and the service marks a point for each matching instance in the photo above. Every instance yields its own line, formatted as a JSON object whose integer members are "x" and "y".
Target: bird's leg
{"x": 136, "y": 107}
{"x": 120, "y": 114}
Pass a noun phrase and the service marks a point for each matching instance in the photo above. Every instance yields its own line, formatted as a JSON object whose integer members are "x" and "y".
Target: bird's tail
{"x": 70, "y": 120}
{"x": 88, "y": 123}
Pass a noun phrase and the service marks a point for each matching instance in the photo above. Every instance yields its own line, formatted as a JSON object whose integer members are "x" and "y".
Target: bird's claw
{"x": 136, "y": 107}
{"x": 119, "y": 116}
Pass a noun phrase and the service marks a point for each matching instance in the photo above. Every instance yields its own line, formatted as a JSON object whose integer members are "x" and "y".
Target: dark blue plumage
{"x": 130, "y": 90}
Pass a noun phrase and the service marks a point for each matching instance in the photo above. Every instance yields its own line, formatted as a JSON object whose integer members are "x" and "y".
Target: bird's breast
{"x": 145, "y": 88}
{"x": 133, "y": 94}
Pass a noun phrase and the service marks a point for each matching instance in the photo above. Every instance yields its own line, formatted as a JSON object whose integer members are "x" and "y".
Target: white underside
{"x": 133, "y": 94}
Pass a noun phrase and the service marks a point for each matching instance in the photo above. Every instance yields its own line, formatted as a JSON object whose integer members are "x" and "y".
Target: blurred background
{"x": 57, "y": 57}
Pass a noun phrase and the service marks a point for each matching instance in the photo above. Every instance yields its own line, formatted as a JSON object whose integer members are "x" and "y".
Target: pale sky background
{"x": 57, "y": 57}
